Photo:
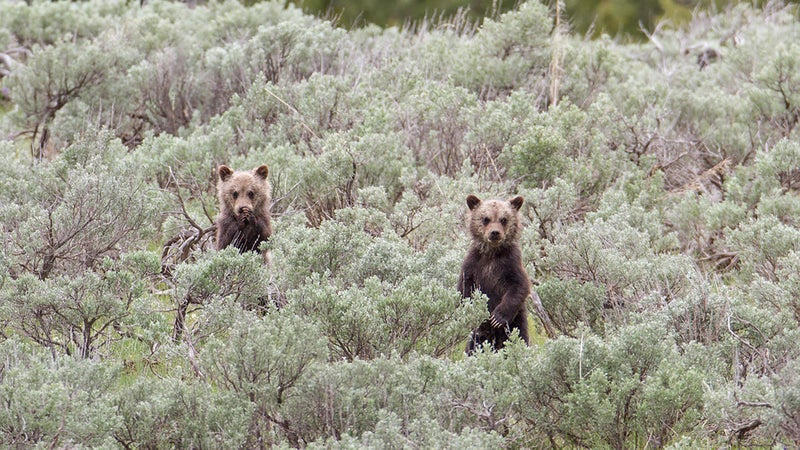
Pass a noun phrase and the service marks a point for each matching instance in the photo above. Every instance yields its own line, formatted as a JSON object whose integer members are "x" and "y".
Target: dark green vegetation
{"x": 661, "y": 226}
{"x": 628, "y": 19}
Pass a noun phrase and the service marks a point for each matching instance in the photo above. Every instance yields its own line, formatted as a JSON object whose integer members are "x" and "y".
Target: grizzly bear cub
{"x": 493, "y": 265}
{"x": 244, "y": 198}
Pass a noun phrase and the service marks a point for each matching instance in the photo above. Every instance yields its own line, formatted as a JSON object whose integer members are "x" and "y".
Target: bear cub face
{"x": 243, "y": 193}
{"x": 494, "y": 223}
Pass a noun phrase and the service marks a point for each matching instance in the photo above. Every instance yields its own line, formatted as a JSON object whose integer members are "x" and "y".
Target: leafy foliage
{"x": 661, "y": 183}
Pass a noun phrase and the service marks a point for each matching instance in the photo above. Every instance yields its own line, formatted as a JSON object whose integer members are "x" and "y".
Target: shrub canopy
{"x": 662, "y": 187}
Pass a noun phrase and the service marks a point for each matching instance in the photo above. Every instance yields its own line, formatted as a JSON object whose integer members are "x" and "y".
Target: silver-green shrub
{"x": 661, "y": 184}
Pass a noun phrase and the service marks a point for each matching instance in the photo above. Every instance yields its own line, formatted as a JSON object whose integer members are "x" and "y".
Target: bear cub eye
{"x": 503, "y": 221}
{"x": 235, "y": 195}
{"x": 486, "y": 221}
{"x": 251, "y": 194}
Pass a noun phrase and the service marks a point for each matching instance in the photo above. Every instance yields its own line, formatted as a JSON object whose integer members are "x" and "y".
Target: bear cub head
{"x": 494, "y": 224}
{"x": 243, "y": 194}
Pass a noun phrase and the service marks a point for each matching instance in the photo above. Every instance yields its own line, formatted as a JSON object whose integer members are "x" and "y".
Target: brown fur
{"x": 244, "y": 198}
{"x": 493, "y": 265}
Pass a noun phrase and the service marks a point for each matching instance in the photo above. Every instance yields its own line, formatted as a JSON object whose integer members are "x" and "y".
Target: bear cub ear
{"x": 473, "y": 202}
{"x": 516, "y": 202}
{"x": 225, "y": 172}
{"x": 262, "y": 171}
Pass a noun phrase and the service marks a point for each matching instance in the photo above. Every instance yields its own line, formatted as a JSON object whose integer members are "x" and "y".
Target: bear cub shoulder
{"x": 245, "y": 199}
{"x": 493, "y": 265}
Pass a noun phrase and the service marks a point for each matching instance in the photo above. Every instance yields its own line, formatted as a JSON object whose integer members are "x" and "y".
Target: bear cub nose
{"x": 494, "y": 235}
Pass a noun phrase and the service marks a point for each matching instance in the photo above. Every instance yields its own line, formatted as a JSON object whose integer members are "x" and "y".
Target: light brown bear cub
{"x": 493, "y": 265}
{"x": 244, "y": 198}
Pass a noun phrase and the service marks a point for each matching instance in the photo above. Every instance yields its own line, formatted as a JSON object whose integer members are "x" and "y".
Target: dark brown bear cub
{"x": 244, "y": 198}
{"x": 494, "y": 266}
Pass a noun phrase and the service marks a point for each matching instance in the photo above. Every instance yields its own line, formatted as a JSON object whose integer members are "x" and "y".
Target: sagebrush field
{"x": 660, "y": 229}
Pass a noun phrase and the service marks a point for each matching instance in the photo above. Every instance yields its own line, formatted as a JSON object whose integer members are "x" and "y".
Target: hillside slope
{"x": 661, "y": 231}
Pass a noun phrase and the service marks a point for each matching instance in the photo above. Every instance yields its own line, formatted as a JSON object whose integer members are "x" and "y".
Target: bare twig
{"x": 541, "y": 313}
